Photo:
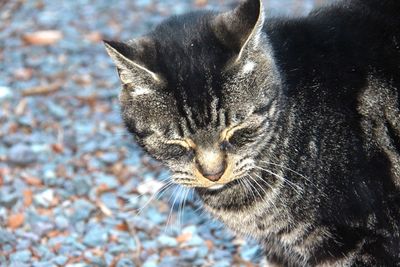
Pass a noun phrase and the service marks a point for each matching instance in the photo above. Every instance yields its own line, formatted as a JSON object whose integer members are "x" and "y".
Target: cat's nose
{"x": 213, "y": 174}
{"x": 211, "y": 163}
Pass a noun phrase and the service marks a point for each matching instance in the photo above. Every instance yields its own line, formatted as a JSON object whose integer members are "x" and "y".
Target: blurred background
{"x": 74, "y": 189}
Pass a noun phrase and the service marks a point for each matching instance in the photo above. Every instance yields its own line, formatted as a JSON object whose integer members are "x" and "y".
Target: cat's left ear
{"x": 241, "y": 28}
{"x": 134, "y": 61}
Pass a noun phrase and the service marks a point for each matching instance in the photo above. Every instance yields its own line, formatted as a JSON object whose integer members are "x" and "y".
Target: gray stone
{"x": 21, "y": 256}
{"x": 96, "y": 236}
{"x": 21, "y": 154}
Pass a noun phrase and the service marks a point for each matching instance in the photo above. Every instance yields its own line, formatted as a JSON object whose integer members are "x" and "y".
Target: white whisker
{"x": 297, "y": 173}
{"x": 179, "y": 189}
{"x": 154, "y": 196}
{"x": 295, "y": 187}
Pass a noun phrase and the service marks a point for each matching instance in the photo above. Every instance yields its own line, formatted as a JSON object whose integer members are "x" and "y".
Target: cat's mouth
{"x": 215, "y": 181}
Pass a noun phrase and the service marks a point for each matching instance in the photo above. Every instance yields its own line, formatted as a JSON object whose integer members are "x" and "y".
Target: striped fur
{"x": 302, "y": 113}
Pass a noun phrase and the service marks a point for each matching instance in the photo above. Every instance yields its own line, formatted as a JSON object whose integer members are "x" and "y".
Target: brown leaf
{"x": 42, "y": 89}
{"x": 209, "y": 244}
{"x": 103, "y": 188}
{"x": 106, "y": 211}
{"x": 23, "y": 74}
{"x": 54, "y": 233}
{"x": 57, "y": 148}
{"x": 94, "y": 37}
{"x": 123, "y": 227}
{"x": 31, "y": 180}
{"x": 28, "y": 197}
{"x": 200, "y": 3}
{"x": 43, "y": 37}
{"x": 16, "y": 220}
{"x": 184, "y": 237}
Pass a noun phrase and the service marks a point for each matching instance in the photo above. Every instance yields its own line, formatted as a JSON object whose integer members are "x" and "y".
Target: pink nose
{"x": 214, "y": 174}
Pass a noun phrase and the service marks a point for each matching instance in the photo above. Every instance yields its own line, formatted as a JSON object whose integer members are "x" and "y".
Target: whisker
{"x": 265, "y": 192}
{"x": 158, "y": 191}
{"x": 179, "y": 189}
{"x": 295, "y": 172}
{"x": 287, "y": 168}
{"x": 249, "y": 186}
{"x": 185, "y": 196}
{"x": 154, "y": 196}
{"x": 255, "y": 188}
{"x": 295, "y": 187}
{"x": 261, "y": 179}
{"x": 127, "y": 201}
{"x": 259, "y": 185}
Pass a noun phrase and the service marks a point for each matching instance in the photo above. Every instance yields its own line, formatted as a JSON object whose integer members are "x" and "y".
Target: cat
{"x": 287, "y": 128}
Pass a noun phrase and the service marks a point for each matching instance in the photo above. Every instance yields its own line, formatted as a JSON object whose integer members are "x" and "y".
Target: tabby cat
{"x": 287, "y": 128}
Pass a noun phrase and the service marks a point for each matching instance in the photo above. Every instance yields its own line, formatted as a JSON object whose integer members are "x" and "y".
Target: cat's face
{"x": 199, "y": 93}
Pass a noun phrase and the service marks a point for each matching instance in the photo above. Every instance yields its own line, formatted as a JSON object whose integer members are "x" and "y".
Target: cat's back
{"x": 342, "y": 63}
{"x": 351, "y": 38}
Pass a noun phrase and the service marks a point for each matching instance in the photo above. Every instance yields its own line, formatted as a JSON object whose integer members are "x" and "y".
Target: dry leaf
{"x": 42, "y": 89}
{"x": 201, "y": 3}
{"x": 123, "y": 227}
{"x": 102, "y": 188}
{"x": 23, "y": 74}
{"x": 184, "y": 237}
{"x": 16, "y": 220}
{"x": 94, "y": 37}
{"x": 28, "y": 197}
{"x": 42, "y": 37}
{"x": 57, "y": 148}
{"x": 31, "y": 180}
{"x": 209, "y": 244}
{"x": 106, "y": 211}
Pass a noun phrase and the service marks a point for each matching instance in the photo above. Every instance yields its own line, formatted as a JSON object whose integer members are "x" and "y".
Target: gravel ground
{"x": 74, "y": 189}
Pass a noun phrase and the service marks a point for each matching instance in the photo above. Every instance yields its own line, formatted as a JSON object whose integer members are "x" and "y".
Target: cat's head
{"x": 199, "y": 93}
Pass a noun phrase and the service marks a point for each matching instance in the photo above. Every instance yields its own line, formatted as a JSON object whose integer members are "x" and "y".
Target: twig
{"x": 42, "y": 89}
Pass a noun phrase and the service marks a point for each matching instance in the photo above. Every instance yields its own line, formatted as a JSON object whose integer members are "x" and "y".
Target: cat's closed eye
{"x": 180, "y": 149}
{"x": 243, "y": 136}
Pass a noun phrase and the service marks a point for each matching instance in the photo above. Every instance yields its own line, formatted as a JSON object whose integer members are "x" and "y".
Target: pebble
{"x": 60, "y": 260}
{"x": 249, "y": 253}
{"x": 188, "y": 254}
{"x": 96, "y": 236}
{"x": 108, "y": 180}
{"x": 125, "y": 262}
{"x": 45, "y": 198}
{"x": 222, "y": 263}
{"x": 167, "y": 241}
{"x": 61, "y": 222}
{"x": 21, "y": 256}
{"x": 21, "y": 154}
{"x": 5, "y": 93}
{"x": 110, "y": 157}
{"x": 8, "y": 199}
{"x": 56, "y": 110}
{"x": 194, "y": 241}
{"x": 81, "y": 185}
{"x": 43, "y": 264}
{"x": 151, "y": 261}
{"x": 6, "y": 237}
{"x": 82, "y": 210}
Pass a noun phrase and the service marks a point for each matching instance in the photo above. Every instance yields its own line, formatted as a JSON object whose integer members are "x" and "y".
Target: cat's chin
{"x": 216, "y": 187}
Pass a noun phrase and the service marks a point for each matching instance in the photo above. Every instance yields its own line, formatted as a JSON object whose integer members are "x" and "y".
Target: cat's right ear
{"x": 128, "y": 59}
{"x": 240, "y": 28}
